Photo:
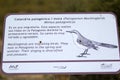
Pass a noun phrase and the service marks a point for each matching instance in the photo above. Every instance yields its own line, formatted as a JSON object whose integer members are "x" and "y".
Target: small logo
{"x": 60, "y": 67}
{"x": 13, "y": 67}
{"x": 106, "y": 66}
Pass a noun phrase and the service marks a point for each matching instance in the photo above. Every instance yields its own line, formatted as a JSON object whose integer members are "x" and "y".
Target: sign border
{"x": 61, "y": 60}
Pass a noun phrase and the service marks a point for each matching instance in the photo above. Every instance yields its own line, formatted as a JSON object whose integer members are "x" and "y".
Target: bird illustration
{"x": 89, "y": 43}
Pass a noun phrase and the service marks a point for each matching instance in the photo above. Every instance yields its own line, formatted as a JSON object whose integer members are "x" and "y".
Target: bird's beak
{"x": 69, "y": 31}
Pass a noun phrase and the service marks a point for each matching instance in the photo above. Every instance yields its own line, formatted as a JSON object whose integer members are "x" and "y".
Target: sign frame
{"x": 103, "y": 62}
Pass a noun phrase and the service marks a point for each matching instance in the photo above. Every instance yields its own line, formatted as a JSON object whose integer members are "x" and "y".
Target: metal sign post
{"x": 63, "y": 43}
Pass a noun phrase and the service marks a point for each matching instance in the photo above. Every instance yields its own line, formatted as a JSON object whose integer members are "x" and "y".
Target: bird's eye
{"x": 80, "y": 41}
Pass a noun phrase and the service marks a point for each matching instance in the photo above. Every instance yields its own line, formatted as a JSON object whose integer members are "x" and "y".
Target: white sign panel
{"x": 61, "y": 43}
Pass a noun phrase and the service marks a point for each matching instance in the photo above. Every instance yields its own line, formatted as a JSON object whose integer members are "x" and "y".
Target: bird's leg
{"x": 84, "y": 53}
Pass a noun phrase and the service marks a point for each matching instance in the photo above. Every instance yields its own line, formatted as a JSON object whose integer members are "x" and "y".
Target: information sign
{"x": 61, "y": 43}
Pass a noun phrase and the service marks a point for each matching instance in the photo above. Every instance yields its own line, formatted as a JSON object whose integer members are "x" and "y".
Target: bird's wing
{"x": 104, "y": 44}
{"x": 87, "y": 43}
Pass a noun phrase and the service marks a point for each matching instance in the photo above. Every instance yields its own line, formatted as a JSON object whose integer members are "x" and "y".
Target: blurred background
{"x": 44, "y": 6}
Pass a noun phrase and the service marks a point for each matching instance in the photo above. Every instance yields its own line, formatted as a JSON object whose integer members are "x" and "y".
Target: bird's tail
{"x": 107, "y": 45}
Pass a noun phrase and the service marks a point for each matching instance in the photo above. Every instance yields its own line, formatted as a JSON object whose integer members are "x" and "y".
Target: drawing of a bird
{"x": 89, "y": 43}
